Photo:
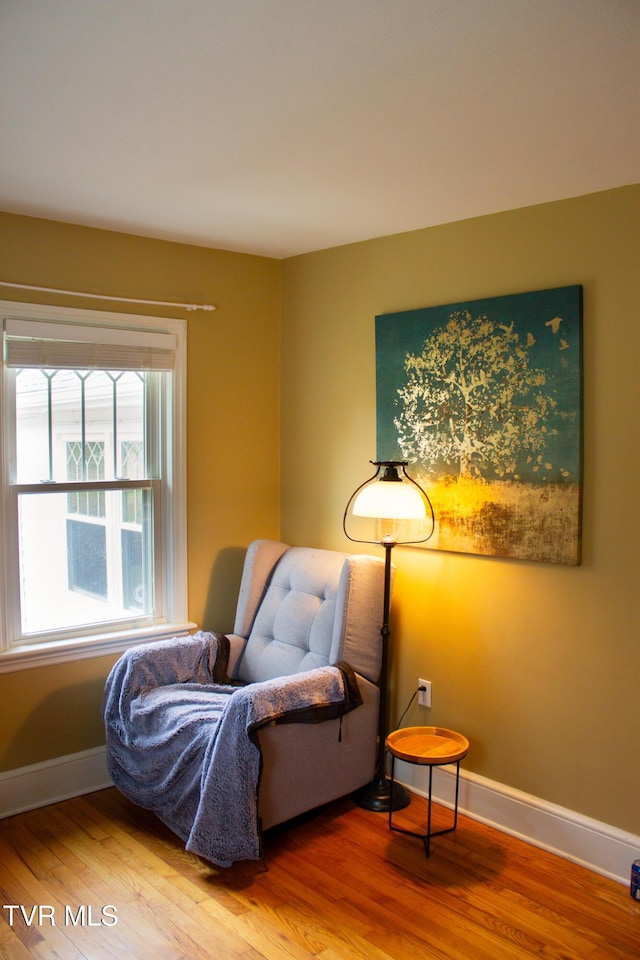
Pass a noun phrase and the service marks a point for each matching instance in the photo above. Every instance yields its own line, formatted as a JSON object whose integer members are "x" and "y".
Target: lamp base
{"x": 380, "y": 795}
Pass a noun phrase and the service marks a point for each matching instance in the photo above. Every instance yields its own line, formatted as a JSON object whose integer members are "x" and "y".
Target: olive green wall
{"x": 232, "y": 435}
{"x": 538, "y": 664}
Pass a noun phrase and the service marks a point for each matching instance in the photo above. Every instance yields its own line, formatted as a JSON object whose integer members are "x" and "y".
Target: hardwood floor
{"x": 109, "y": 881}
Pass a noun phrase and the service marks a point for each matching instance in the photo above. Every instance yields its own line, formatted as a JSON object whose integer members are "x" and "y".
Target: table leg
{"x": 426, "y": 837}
{"x": 455, "y": 809}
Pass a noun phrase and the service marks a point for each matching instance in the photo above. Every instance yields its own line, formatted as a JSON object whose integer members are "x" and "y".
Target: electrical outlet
{"x": 424, "y": 696}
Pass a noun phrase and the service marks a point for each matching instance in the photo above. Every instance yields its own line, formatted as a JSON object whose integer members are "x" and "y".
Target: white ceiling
{"x": 282, "y": 126}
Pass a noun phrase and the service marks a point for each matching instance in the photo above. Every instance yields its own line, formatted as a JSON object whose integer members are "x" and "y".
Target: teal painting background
{"x": 399, "y": 334}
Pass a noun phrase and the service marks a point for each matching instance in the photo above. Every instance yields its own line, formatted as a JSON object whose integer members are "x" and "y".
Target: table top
{"x": 427, "y": 745}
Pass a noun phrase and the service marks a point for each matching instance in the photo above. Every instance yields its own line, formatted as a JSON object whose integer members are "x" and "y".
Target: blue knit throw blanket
{"x": 185, "y": 746}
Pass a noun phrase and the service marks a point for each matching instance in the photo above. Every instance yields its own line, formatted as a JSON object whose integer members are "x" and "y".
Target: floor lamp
{"x": 393, "y": 509}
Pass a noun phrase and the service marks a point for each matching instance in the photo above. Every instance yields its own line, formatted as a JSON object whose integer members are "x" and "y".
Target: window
{"x": 93, "y": 486}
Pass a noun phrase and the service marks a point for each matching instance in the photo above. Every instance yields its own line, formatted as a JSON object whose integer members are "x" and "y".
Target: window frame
{"x": 170, "y": 543}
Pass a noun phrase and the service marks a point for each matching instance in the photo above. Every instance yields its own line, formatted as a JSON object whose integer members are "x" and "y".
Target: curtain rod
{"x": 99, "y": 296}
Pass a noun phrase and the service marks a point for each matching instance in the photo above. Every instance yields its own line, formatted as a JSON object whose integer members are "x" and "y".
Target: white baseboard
{"x": 597, "y": 846}
{"x": 53, "y": 780}
{"x": 570, "y": 835}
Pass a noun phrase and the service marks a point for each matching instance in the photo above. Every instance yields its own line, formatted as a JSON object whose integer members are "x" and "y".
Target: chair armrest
{"x": 200, "y": 658}
{"x": 306, "y": 765}
{"x": 310, "y": 696}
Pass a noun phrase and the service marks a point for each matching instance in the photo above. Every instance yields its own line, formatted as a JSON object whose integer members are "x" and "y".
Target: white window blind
{"x": 50, "y": 345}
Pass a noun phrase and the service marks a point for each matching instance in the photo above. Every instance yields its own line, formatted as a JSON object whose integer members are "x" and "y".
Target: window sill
{"x": 26, "y": 656}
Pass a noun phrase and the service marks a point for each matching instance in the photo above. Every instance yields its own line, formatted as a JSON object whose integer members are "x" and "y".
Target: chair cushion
{"x": 293, "y": 627}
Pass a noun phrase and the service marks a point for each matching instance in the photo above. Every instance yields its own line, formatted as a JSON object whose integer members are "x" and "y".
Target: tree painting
{"x": 483, "y": 400}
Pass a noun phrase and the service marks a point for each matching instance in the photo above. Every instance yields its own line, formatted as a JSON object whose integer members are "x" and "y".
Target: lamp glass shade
{"x": 389, "y": 508}
{"x": 390, "y": 500}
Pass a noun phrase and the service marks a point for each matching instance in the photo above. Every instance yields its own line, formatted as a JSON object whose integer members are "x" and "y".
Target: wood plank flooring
{"x": 109, "y": 881}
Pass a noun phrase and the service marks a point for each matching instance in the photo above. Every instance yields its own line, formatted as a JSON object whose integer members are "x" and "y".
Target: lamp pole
{"x": 377, "y": 794}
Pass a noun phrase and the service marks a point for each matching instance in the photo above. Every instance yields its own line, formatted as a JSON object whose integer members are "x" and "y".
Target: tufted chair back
{"x": 302, "y": 608}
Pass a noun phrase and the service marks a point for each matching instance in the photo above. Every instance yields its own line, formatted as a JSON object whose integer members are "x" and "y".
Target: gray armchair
{"x": 226, "y": 736}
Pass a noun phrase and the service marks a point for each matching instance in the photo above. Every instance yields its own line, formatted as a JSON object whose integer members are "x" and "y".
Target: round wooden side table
{"x": 432, "y": 747}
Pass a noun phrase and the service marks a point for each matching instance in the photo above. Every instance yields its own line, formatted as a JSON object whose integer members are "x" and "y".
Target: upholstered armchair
{"x": 226, "y": 736}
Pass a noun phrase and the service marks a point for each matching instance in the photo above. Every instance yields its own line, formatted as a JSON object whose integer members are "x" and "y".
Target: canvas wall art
{"x": 484, "y": 401}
